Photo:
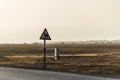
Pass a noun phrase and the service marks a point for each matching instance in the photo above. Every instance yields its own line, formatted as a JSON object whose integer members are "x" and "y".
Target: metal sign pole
{"x": 44, "y": 54}
{"x": 45, "y": 36}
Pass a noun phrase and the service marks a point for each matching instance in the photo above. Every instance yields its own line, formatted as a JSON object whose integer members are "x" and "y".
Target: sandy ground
{"x": 37, "y": 56}
{"x": 63, "y": 55}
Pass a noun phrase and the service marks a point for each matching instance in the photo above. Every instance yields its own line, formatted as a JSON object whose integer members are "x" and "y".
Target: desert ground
{"x": 96, "y": 59}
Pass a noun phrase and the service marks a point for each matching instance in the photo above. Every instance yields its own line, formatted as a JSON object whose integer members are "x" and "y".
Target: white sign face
{"x": 45, "y": 35}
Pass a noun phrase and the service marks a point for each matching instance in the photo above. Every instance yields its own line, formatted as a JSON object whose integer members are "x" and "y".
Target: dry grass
{"x": 84, "y": 58}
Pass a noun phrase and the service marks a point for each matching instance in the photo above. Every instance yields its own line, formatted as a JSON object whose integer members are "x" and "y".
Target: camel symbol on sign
{"x": 45, "y": 35}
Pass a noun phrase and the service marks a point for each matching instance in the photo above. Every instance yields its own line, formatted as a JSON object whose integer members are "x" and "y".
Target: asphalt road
{"x": 25, "y": 74}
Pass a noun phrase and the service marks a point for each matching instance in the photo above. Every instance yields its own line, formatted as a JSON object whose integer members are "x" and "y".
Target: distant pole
{"x": 44, "y": 54}
{"x": 56, "y": 51}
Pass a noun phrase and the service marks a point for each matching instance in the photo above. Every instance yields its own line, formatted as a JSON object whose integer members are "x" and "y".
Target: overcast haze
{"x": 66, "y": 20}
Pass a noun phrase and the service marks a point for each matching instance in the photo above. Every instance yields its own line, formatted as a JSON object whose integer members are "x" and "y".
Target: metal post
{"x": 45, "y": 36}
{"x": 56, "y": 56}
{"x": 44, "y": 54}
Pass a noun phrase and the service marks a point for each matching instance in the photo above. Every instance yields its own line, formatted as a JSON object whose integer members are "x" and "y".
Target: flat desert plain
{"x": 98, "y": 59}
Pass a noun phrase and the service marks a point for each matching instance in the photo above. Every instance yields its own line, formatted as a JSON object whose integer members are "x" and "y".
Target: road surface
{"x": 25, "y": 74}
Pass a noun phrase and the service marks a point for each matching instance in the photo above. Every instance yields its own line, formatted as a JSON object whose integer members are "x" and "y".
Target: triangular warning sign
{"x": 45, "y": 35}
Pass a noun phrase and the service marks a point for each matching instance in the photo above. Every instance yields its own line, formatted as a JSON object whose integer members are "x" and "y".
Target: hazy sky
{"x": 24, "y": 20}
